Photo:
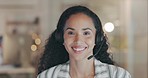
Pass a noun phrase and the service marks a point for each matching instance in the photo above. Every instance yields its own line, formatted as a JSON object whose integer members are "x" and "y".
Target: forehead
{"x": 79, "y": 20}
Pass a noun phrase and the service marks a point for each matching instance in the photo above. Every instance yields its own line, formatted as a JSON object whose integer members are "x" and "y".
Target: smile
{"x": 78, "y": 49}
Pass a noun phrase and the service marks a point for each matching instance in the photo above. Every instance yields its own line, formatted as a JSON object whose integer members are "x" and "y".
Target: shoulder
{"x": 50, "y": 73}
{"x": 119, "y": 72}
{"x": 114, "y": 71}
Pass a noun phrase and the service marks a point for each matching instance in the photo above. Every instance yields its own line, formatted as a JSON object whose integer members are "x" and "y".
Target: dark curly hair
{"x": 55, "y": 52}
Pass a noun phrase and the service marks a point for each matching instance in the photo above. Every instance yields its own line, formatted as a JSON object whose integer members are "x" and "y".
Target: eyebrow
{"x": 87, "y": 29}
{"x": 70, "y": 28}
{"x": 82, "y": 29}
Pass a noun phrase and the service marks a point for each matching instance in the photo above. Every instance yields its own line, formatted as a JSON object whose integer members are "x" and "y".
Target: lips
{"x": 78, "y": 49}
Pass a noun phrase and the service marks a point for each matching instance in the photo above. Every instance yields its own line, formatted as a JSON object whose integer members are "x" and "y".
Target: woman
{"x": 78, "y": 48}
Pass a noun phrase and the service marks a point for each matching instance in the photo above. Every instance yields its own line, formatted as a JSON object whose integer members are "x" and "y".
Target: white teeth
{"x": 78, "y": 49}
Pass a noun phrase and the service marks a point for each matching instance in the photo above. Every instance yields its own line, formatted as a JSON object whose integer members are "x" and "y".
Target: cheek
{"x": 91, "y": 42}
{"x": 67, "y": 41}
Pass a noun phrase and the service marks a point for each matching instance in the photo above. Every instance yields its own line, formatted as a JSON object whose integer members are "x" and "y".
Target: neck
{"x": 82, "y": 69}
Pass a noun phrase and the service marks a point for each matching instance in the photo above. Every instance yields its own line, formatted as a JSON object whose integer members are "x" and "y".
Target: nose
{"x": 78, "y": 38}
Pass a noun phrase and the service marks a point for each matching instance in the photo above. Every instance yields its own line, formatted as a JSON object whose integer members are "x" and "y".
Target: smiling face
{"x": 79, "y": 36}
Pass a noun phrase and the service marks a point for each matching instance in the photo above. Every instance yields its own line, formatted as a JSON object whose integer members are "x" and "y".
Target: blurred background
{"x": 25, "y": 25}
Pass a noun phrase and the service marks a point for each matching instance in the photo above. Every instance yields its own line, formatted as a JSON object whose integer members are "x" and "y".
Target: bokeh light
{"x": 109, "y": 27}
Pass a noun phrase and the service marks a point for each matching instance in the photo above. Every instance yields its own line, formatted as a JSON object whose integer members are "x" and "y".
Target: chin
{"x": 78, "y": 58}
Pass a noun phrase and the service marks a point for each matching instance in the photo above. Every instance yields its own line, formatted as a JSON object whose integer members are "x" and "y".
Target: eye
{"x": 70, "y": 33}
{"x": 86, "y": 33}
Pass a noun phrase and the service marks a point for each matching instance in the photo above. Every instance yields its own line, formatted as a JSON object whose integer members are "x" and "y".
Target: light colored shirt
{"x": 102, "y": 70}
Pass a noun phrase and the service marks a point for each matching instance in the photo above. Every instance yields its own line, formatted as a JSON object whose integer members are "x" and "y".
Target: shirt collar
{"x": 100, "y": 70}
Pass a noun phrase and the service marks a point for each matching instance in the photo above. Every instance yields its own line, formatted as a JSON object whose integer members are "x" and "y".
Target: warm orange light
{"x": 37, "y": 41}
{"x": 33, "y": 47}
